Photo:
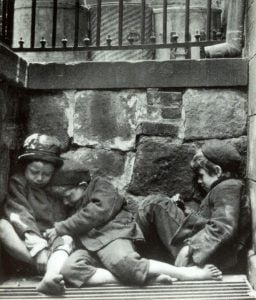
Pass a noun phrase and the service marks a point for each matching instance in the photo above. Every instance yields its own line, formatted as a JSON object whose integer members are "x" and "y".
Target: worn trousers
{"x": 119, "y": 257}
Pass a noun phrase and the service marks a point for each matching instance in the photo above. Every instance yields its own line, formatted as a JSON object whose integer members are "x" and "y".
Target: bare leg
{"x": 12, "y": 242}
{"x": 102, "y": 276}
{"x": 52, "y": 282}
{"x": 208, "y": 272}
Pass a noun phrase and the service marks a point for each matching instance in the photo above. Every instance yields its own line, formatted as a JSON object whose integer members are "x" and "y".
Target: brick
{"x": 163, "y": 98}
{"x": 157, "y": 129}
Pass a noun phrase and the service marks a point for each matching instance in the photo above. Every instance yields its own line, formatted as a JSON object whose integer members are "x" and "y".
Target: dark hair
{"x": 199, "y": 161}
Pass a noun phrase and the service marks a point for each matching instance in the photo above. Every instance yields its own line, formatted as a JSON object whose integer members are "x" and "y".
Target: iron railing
{"x": 133, "y": 41}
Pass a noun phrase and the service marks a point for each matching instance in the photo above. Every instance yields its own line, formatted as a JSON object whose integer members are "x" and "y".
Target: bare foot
{"x": 162, "y": 279}
{"x": 208, "y": 272}
{"x": 51, "y": 285}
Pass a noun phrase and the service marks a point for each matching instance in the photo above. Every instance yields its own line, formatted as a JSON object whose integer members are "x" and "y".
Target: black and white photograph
{"x": 127, "y": 149}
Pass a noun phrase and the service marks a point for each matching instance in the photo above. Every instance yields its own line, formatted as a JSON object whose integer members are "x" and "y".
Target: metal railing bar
{"x": 187, "y": 23}
{"x": 120, "y": 22}
{"x": 77, "y": 11}
{"x": 143, "y": 16}
{"x": 98, "y": 23}
{"x": 209, "y": 19}
{"x": 124, "y": 47}
{"x": 164, "y": 21}
{"x": 33, "y": 24}
{"x": 54, "y": 22}
{"x": 4, "y": 19}
{"x": 10, "y": 21}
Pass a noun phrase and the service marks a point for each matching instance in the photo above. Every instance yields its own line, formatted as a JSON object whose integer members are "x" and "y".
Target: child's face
{"x": 39, "y": 173}
{"x": 72, "y": 195}
{"x": 205, "y": 180}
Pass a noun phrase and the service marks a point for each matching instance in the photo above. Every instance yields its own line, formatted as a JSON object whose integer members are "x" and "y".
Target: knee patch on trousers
{"x": 132, "y": 269}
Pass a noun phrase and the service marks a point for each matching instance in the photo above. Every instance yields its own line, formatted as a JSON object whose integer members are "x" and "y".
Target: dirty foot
{"x": 208, "y": 272}
{"x": 51, "y": 285}
{"x": 162, "y": 279}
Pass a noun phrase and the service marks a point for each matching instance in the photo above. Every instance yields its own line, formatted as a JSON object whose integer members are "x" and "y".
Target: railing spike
{"x": 43, "y": 42}
{"x": 197, "y": 36}
{"x": 64, "y": 42}
{"x": 87, "y": 41}
{"x": 109, "y": 40}
{"x": 21, "y": 43}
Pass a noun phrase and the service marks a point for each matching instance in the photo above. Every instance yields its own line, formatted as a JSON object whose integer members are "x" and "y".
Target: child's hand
{"x": 41, "y": 261}
{"x": 176, "y": 198}
{"x": 50, "y": 234}
{"x": 183, "y": 258}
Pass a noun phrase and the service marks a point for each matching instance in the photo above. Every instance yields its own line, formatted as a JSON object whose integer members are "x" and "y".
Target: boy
{"x": 105, "y": 231}
{"x": 213, "y": 234}
{"x": 29, "y": 211}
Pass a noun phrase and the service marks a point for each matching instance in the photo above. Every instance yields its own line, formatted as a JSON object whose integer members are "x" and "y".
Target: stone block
{"x": 108, "y": 118}
{"x": 252, "y": 87}
{"x": 99, "y": 161}
{"x": 157, "y": 129}
{"x": 251, "y": 160}
{"x": 214, "y": 113}
{"x": 155, "y": 97}
{"x": 162, "y": 165}
{"x": 49, "y": 114}
{"x": 171, "y": 113}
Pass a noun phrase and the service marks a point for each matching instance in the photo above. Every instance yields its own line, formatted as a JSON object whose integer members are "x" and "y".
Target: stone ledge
{"x": 143, "y": 74}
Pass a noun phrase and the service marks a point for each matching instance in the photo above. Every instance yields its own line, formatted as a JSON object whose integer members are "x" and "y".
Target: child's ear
{"x": 219, "y": 171}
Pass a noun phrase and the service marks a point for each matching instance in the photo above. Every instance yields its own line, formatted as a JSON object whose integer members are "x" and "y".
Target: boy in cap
{"x": 30, "y": 210}
{"x": 104, "y": 231}
{"x": 216, "y": 232}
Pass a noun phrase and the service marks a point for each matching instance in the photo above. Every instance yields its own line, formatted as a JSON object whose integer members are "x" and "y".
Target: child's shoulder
{"x": 229, "y": 184}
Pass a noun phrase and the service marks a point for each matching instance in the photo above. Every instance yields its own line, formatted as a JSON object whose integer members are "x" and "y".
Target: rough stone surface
{"x": 251, "y": 28}
{"x": 171, "y": 113}
{"x": 214, "y": 113}
{"x": 108, "y": 118}
{"x": 252, "y": 86}
{"x": 99, "y": 161}
{"x": 251, "y": 166}
{"x": 49, "y": 114}
{"x": 155, "y": 97}
{"x": 162, "y": 166}
{"x": 157, "y": 129}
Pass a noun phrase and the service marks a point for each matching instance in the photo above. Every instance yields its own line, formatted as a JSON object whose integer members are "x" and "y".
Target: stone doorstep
{"x": 234, "y": 287}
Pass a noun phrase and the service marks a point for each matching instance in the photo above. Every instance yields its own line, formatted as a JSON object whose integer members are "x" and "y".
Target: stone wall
{"x": 251, "y": 170}
{"x": 141, "y": 139}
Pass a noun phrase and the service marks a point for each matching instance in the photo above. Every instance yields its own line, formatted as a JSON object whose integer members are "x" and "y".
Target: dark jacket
{"x": 100, "y": 217}
{"x": 215, "y": 231}
{"x": 31, "y": 209}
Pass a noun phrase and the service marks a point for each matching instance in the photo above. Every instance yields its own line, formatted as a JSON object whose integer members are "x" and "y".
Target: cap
{"x": 42, "y": 147}
{"x": 222, "y": 153}
{"x": 71, "y": 173}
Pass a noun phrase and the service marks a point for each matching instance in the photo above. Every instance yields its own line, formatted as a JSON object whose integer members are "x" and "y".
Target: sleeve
{"x": 221, "y": 227}
{"x": 34, "y": 243}
{"x": 102, "y": 205}
{"x": 17, "y": 209}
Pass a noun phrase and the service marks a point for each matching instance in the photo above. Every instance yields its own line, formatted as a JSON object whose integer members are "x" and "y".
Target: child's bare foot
{"x": 208, "y": 272}
{"x": 162, "y": 279}
{"x": 51, "y": 285}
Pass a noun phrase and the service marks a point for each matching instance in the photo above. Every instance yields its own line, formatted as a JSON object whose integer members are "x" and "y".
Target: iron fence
{"x": 91, "y": 38}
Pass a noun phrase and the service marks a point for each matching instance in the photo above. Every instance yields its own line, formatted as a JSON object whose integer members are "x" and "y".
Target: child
{"x": 29, "y": 211}
{"x": 105, "y": 232}
{"x": 212, "y": 234}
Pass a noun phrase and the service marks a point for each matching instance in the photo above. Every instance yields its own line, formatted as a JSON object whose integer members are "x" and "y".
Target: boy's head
{"x": 70, "y": 182}
{"x": 41, "y": 157}
{"x": 214, "y": 160}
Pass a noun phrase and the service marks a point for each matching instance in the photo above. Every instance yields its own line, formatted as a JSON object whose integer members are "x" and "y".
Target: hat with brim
{"x": 42, "y": 156}
{"x": 42, "y": 147}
